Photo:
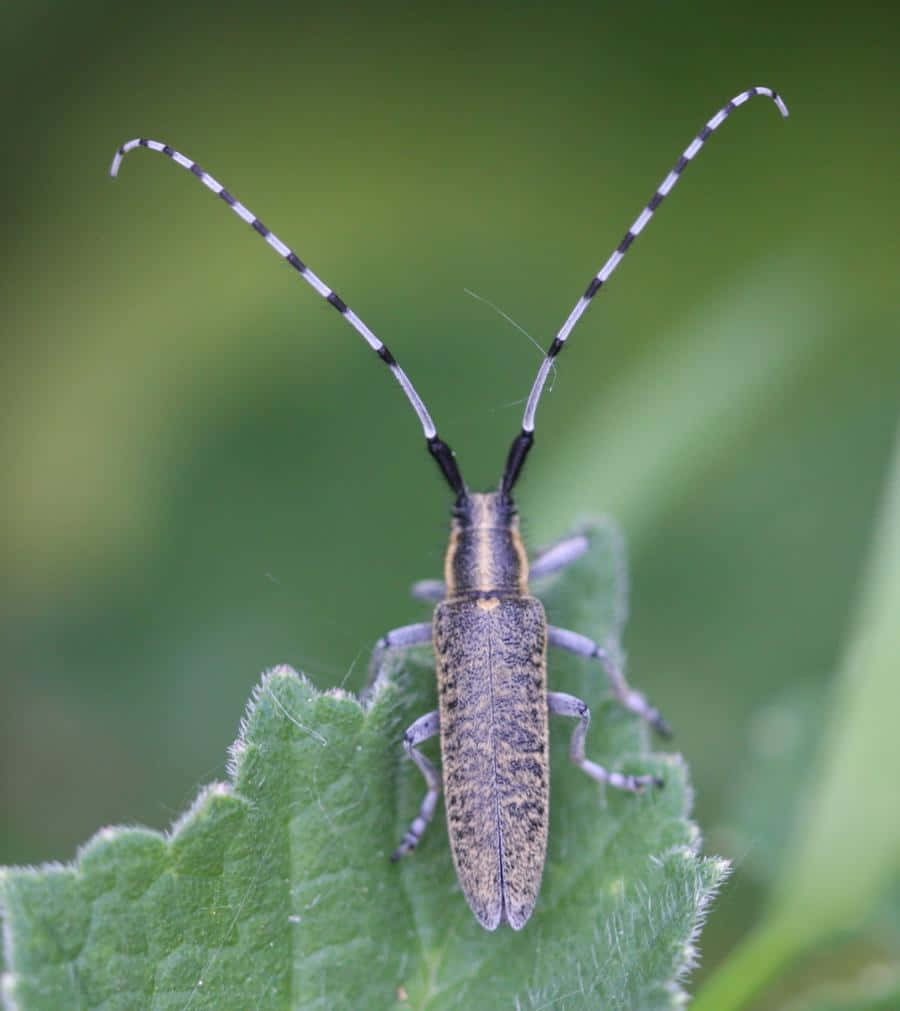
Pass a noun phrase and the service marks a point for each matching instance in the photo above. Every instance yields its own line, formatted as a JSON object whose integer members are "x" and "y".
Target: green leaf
{"x": 275, "y": 889}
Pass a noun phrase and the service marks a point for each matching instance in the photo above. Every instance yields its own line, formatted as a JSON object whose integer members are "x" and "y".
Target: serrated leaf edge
{"x": 110, "y": 833}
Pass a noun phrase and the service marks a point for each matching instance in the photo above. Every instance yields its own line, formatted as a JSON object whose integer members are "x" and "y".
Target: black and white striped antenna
{"x": 436, "y": 446}
{"x": 523, "y": 441}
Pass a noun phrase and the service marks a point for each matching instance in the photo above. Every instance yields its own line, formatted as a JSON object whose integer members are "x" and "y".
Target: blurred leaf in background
{"x": 207, "y": 473}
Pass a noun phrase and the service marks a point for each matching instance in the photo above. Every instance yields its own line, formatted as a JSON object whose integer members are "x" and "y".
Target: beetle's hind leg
{"x": 569, "y": 705}
{"x": 580, "y": 645}
{"x": 424, "y": 728}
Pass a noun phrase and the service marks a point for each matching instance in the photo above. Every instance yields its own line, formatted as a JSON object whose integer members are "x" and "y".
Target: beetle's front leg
{"x": 580, "y": 645}
{"x": 428, "y": 589}
{"x": 559, "y": 555}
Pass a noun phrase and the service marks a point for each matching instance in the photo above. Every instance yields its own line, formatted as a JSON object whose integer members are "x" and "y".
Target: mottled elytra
{"x": 490, "y": 636}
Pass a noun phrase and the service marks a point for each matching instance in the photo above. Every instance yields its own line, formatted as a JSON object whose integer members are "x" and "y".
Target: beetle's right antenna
{"x": 523, "y": 441}
{"x": 436, "y": 446}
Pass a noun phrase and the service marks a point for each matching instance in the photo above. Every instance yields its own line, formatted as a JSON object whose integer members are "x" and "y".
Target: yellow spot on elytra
{"x": 488, "y": 603}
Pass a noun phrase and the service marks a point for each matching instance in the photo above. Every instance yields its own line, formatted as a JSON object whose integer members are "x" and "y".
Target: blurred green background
{"x": 207, "y": 473}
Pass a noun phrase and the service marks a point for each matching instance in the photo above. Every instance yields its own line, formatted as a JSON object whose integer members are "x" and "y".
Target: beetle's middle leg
{"x": 397, "y": 638}
{"x": 424, "y": 728}
{"x": 580, "y": 645}
{"x": 569, "y": 705}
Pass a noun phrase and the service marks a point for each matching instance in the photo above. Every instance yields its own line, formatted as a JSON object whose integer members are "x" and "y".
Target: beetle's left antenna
{"x": 523, "y": 441}
{"x": 436, "y": 446}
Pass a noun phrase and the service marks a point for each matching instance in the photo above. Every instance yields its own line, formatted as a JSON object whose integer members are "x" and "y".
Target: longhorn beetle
{"x": 490, "y": 635}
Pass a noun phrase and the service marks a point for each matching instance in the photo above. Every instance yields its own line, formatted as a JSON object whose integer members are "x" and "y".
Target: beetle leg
{"x": 568, "y": 705}
{"x": 397, "y": 638}
{"x": 424, "y": 727}
{"x": 428, "y": 589}
{"x": 580, "y": 645}
{"x": 559, "y": 555}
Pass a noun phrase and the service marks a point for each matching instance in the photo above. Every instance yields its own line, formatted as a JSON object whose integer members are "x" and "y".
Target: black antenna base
{"x": 443, "y": 454}
{"x": 517, "y": 453}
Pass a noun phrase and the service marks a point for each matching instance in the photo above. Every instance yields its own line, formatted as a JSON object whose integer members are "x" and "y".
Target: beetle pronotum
{"x": 490, "y": 635}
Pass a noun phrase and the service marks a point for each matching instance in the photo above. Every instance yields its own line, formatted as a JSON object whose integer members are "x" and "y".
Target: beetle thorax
{"x": 485, "y": 558}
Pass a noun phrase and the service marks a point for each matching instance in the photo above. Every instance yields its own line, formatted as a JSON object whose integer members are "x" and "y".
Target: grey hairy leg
{"x": 634, "y": 701}
{"x": 424, "y": 728}
{"x": 568, "y": 705}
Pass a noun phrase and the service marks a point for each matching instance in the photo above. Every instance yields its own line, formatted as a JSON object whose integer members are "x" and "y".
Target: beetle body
{"x": 490, "y": 636}
{"x": 490, "y": 645}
